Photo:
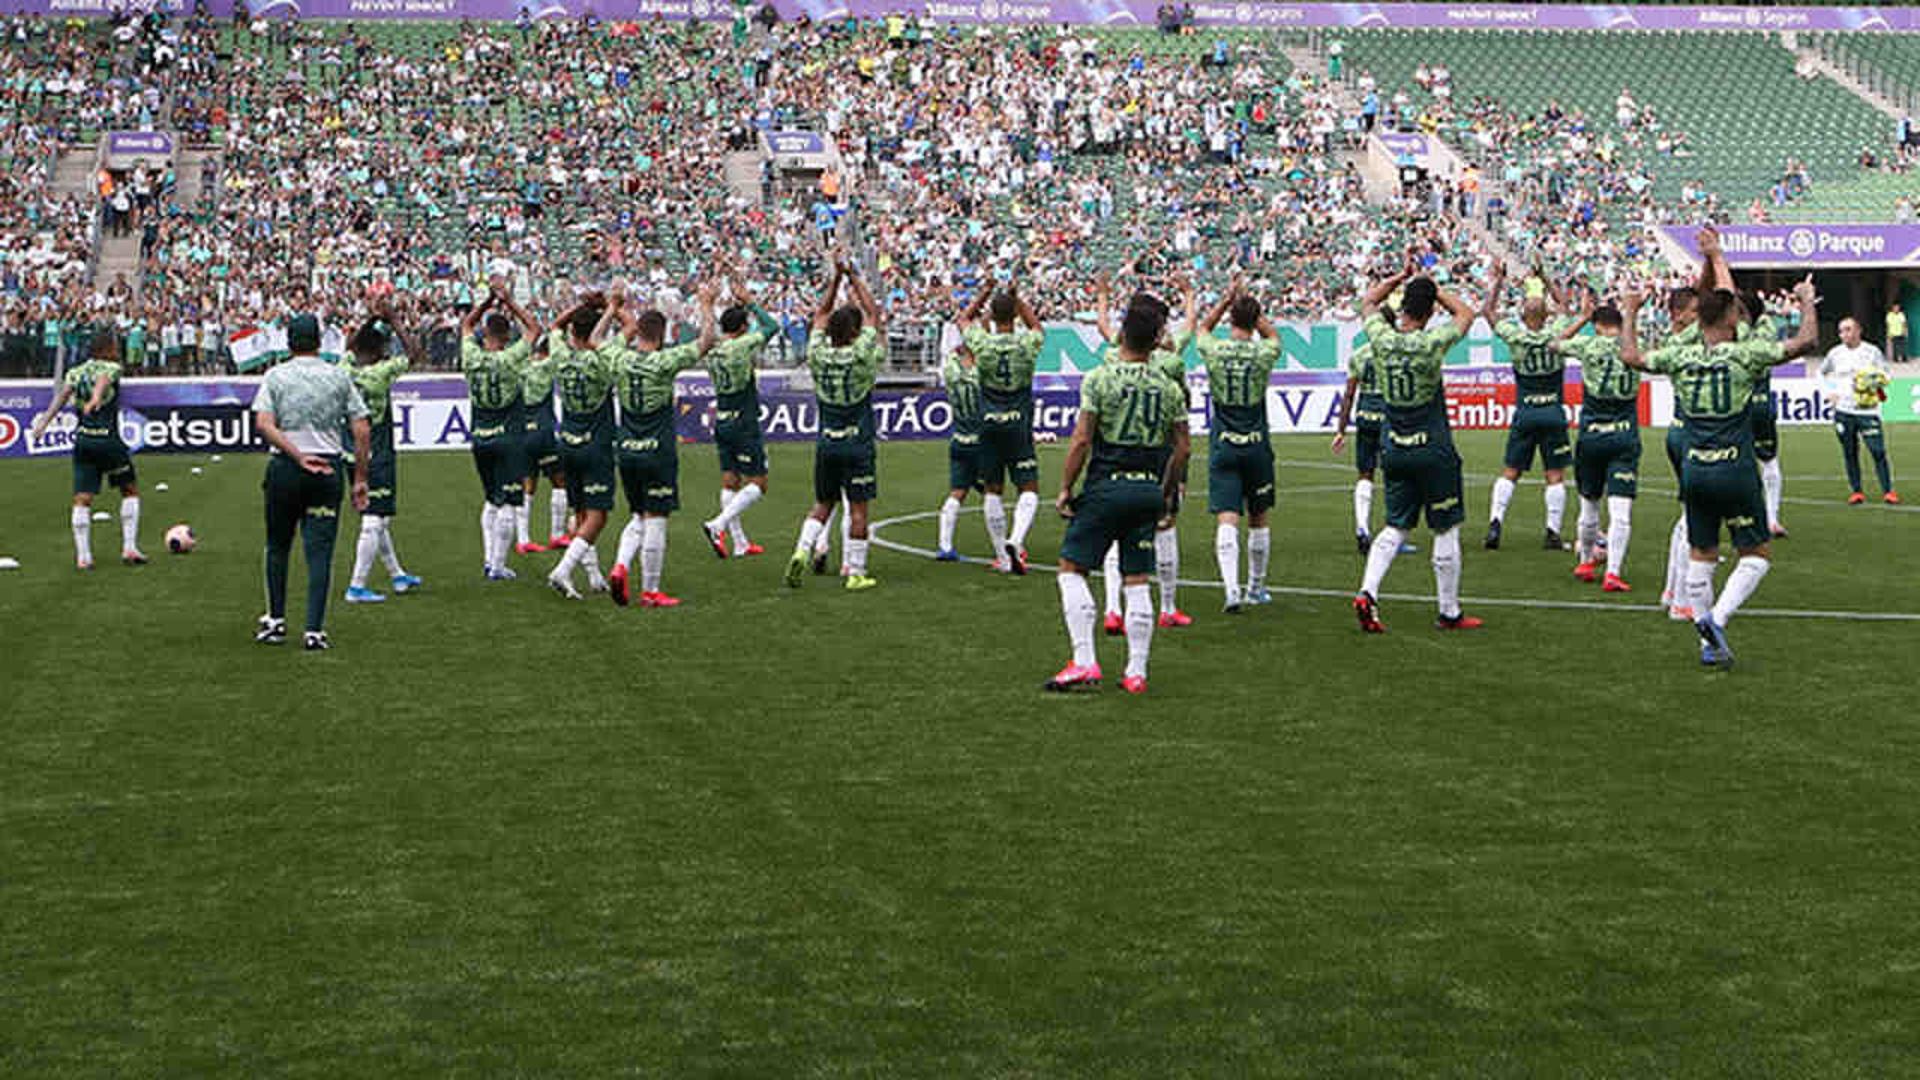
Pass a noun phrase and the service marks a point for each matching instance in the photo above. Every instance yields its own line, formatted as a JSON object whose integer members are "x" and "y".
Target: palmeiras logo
{"x": 700, "y": 9}
{"x": 1243, "y": 13}
{"x": 1801, "y": 242}
{"x": 989, "y": 10}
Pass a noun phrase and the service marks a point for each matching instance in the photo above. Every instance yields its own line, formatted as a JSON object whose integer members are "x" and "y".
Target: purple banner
{"x": 1104, "y": 12}
{"x": 139, "y": 144}
{"x": 783, "y": 143}
{"x": 1402, "y": 146}
{"x": 1809, "y": 246}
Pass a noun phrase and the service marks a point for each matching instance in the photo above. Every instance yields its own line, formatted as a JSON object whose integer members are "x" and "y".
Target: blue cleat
{"x": 1407, "y": 548}
{"x": 356, "y": 595}
{"x": 406, "y": 583}
{"x": 1258, "y": 594}
{"x": 502, "y": 574}
{"x": 1714, "y": 650}
{"x": 949, "y": 555}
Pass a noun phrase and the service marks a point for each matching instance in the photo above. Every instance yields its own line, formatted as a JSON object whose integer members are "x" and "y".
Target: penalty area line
{"x": 874, "y": 530}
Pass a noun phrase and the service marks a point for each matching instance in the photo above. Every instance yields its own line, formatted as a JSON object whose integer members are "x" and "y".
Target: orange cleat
{"x": 1614, "y": 583}
{"x": 1588, "y": 572}
{"x": 1115, "y": 625}
{"x": 1856, "y": 499}
{"x": 750, "y": 549}
{"x": 559, "y": 541}
{"x": 1891, "y": 498}
{"x": 529, "y": 548}
{"x": 658, "y": 599}
{"x": 1680, "y": 613}
{"x": 1074, "y": 677}
{"x": 617, "y": 585}
{"x": 1777, "y": 531}
{"x": 1457, "y": 622}
{"x": 1134, "y": 684}
{"x": 133, "y": 558}
{"x": 1368, "y": 612}
{"x": 1175, "y": 617}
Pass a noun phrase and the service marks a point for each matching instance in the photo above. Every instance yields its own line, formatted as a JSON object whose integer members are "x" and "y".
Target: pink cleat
{"x": 559, "y": 541}
{"x": 1588, "y": 572}
{"x": 658, "y": 599}
{"x": 1680, "y": 613}
{"x": 1615, "y": 583}
{"x": 750, "y": 549}
{"x": 617, "y": 585}
{"x": 1074, "y": 677}
{"x": 1134, "y": 684}
{"x": 133, "y": 558}
{"x": 1175, "y": 617}
{"x": 1115, "y": 625}
{"x": 529, "y": 548}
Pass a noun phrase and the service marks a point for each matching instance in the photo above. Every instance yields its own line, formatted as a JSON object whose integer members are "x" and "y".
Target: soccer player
{"x": 745, "y": 329}
{"x": 647, "y": 448}
{"x": 1421, "y": 465}
{"x": 1005, "y": 352}
{"x": 1539, "y": 416}
{"x": 1361, "y": 402}
{"x": 1606, "y": 460}
{"x": 541, "y": 449}
{"x": 1713, "y": 381}
{"x": 1132, "y": 439}
{"x": 1240, "y": 462}
{"x": 1758, "y": 323}
{"x": 962, "y": 379}
{"x": 583, "y": 380}
{"x": 98, "y": 454}
{"x": 300, "y": 410}
{"x": 844, "y": 356}
{"x": 374, "y": 370}
{"x": 1856, "y": 383}
{"x": 1683, "y": 313}
{"x": 495, "y": 368}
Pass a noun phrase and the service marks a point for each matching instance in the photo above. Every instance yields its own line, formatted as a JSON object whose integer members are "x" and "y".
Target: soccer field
{"x": 813, "y": 833}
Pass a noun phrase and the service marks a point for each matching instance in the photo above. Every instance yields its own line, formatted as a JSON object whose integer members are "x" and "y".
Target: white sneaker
{"x": 562, "y": 586}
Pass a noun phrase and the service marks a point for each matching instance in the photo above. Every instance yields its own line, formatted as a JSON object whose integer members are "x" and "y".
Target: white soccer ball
{"x": 180, "y": 539}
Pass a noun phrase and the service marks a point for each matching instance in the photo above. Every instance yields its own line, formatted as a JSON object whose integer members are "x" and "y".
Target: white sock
{"x": 1740, "y": 585}
{"x": 1700, "y": 587}
{"x": 1139, "y": 628}
{"x": 130, "y": 523}
{"x": 653, "y": 553}
{"x": 732, "y": 505}
{"x": 1502, "y": 495}
{"x": 1166, "y": 563}
{"x": 590, "y": 558}
{"x": 557, "y": 512}
{"x": 1556, "y": 506}
{"x": 1380, "y": 559}
{"x": 1589, "y": 529}
{"x": 996, "y": 515}
{"x": 577, "y": 549}
{"x": 630, "y": 538}
{"x": 949, "y": 521}
{"x": 1362, "y": 506}
{"x": 1446, "y": 571}
{"x": 823, "y": 539}
{"x": 1110, "y": 573}
{"x": 1619, "y": 531}
{"x": 388, "y": 554}
{"x": 365, "y": 549}
{"x": 521, "y": 522}
{"x": 810, "y": 531}
{"x": 846, "y": 528}
{"x": 489, "y": 536}
{"x": 1076, "y": 604}
{"x": 1226, "y": 551}
{"x": 1024, "y": 508}
{"x": 1259, "y": 550}
{"x": 82, "y": 519}
{"x": 856, "y": 556}
{"x": 503, "y": 522}
{"x": 1772, "y": 483}
{"x": 1677, "y": 563}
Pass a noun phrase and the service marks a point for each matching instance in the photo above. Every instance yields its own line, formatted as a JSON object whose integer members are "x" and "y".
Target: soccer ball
{"x": 180, "y": 539}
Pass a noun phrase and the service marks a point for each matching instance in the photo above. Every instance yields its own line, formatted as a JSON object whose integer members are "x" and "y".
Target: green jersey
{"x": 1611, "y": 389}
{"x": 375, "y": 383}
{"x": 536, "y": 394}
{"x": 736, "y": 390}
{"x": 843, "y": 378}
{"x": 1539, "y": 373}
{"x": 103, "y": 422}
{"x": 1238, "y": 370}
{"x": 646, "y": 396}
{"x": 1005, "y": 363}
{"x": 1763, "y": 328}
{"x": 1136, "y": 406}
{"x": 1714, "y": 386}
{"x": 493, "y": 385}
{"x": 1409, "y": 364}
{"x": 1368, "y": 405}
{"x": 963, "y": 397}
{"x": 583, "y": 380}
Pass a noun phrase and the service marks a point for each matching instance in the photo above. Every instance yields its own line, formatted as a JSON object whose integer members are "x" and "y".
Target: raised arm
{"x": 1378, "y": 292}
{"x": 1103, "y": 309}
{"x": 1630, "y": 330}
{"x": 824, "y": 309}
{"x": 971, "y": 313}
{"x": 1490, "y": 306}
{"x": 529, "y": 326}
{"x": 1219, "y": 308}
{"x": 1463, "y": 313}
{"x": 1806, "y": 339}
{"x": 1714, "y": 272}
{"x": 708, "y": 294}
{"x": 471, "y": 319}
{"x": 1023, "y": 310}
{"x": 869, "y": 308}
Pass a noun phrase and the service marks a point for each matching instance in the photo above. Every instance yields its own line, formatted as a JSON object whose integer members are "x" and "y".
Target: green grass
{"x": 810, "y": 833}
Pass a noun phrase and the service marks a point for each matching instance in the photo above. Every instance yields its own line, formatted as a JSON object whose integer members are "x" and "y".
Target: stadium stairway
{"x": 743, "y": 174}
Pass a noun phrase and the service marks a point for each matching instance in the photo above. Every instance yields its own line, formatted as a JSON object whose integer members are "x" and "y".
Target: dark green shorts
{"x": 1366, "y": 445}
{"x": 503, "y": 470}
{"x": 97, "y": 460}
{"x": 1851, "y": 426}
{"x": 1766, "y": 430}
{"x": 741, "y": 453}
{"x": 1424, "y": 480}
{"x": 542, "y": 451}
{"x": 382, "y": 485}
{"x": 1725, "y": 493}
{"x": 1006, "y": 450}
{"x": 1607, "y": 461}
{"x": 1240, "y": 477}
{"x": 1111, "y": 512}
{"x": 586, "y": 464}
{"x": 651, "y": 481}
{"x": 844, "y": 466}
{"x": 1538, "y": 430}
{"x": 963, "y": 465}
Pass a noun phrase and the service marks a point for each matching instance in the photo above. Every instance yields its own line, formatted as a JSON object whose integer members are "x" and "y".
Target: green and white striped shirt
{"x": 312, "y": 401}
